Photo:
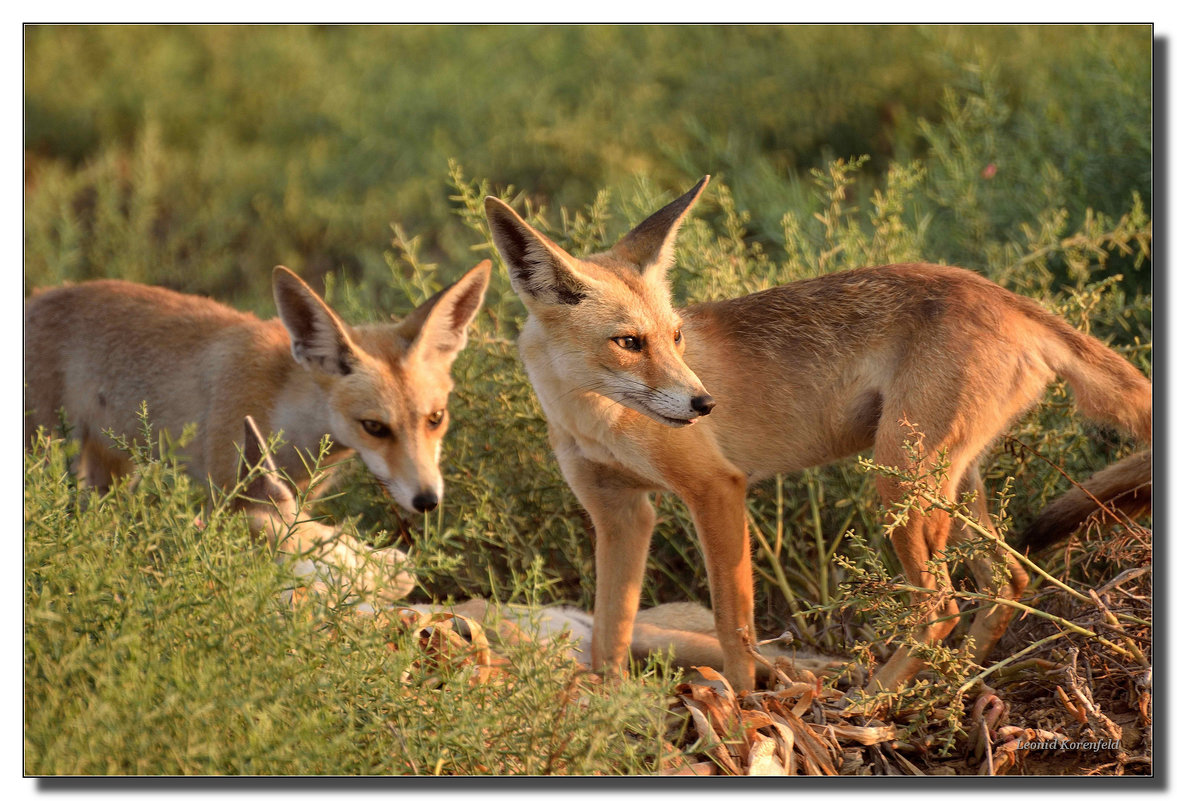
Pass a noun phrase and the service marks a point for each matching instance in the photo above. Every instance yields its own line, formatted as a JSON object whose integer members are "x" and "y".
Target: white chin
{"x": 658, "y": 417}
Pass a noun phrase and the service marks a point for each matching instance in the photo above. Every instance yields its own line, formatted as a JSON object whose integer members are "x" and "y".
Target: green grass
{"x": 157, "y": 645}
{"x": 199, "y": 157}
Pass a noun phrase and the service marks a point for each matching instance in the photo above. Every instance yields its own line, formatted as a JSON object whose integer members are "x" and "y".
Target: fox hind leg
{"x": 990, "y": 623}
{"x": 920, "y": 539}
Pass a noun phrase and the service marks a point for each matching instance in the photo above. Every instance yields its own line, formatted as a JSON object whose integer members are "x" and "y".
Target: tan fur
{"x": 801, "y": 375}
{"x": 99, "y": 349}
{"x": 683, "y": 632}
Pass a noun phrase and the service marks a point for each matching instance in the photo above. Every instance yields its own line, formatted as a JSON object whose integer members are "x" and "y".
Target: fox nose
{"x": 703, "y": 404}
{"x": 425, "y": 501}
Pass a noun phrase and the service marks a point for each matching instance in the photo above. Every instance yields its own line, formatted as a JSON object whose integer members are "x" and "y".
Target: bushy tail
{"x": 1123, "y": 489}
{"x": 1109, "y": 390}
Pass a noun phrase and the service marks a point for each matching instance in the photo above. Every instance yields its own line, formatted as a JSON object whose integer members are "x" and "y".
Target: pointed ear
{"x": 267, "y": 489}
{"x": 651, "y": 242}
{"x": 318, "y": 338}
{"x": 438, "y": 326}
{"x": 540, "y": 269}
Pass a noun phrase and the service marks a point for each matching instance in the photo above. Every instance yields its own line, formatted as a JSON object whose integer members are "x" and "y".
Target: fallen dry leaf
{"x": 762, "y": 759}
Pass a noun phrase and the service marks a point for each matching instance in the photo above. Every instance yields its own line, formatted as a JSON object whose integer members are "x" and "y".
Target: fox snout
{"x": 699, "y": 405}
{"x": 425, "y": 501}
{"x": 415, "y": 496}
{"x": 413, "y": 499}
{"x": 672, "y": 408}
{"x": 415, "y": 484}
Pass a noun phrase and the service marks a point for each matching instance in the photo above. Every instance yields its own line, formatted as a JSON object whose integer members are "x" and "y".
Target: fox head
{"x": 608, "y": 317}
{"x": 386, "y": 385}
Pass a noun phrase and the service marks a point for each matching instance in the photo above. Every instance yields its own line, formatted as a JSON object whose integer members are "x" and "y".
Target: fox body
{"x": 681, "y": 631}
{"x": 100, "y": 349}
{"x": 705, "y": 400}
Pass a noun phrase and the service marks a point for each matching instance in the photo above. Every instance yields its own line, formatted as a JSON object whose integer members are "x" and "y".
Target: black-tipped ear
{"x": 266, "y": 484}
{"x": 439, "y": 324}
{"x": 651, "y": 242}
{"x": 539, "y": 268}
{"x": 318, "y": 338}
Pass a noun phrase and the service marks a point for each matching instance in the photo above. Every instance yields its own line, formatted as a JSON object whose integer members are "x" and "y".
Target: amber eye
{"x": 628, "y": 343}
{"x": 434, "y": 420}
{"x": 677, "y": 336}
{"x": 376, "y": 429}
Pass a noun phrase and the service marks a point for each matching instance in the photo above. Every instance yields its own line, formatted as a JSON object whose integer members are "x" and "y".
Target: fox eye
{"x": 434, "y": 420}
{"x": 677, "y": 335}
{"x": 376, "y": 429}
{"x": 628, "y": 343}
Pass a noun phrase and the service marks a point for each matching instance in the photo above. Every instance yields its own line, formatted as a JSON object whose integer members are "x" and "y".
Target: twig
{"x": 1073, "y": 627}
{"x": 1111, "y": 620}
{"x": 405, "y": 746}
{"x": 998, "y": 665}
{"x": 762, "y": 659}
{"x": 1084, "y": 699}
{"x": 939, "y": 502}
{"x": 1127, "y": 575}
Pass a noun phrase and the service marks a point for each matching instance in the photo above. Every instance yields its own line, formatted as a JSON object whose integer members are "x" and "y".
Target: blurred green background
{"x": 228, "y": 149}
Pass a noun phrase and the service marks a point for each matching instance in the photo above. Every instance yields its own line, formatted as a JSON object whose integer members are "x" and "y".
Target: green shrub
{"x": 156, "y": 643}
{"x": 223, "y": 150}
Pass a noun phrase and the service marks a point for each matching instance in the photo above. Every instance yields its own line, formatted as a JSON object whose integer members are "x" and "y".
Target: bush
{"x": 156, "y": 643}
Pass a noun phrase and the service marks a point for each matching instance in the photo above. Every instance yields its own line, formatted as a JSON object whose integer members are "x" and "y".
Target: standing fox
{"x": 100, "y": 349}
{"x": 703, "y": 401}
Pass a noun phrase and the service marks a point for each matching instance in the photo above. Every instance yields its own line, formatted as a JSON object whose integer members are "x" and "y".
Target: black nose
{"x": 425, "y": 501}
{"x": 703, "y": 404}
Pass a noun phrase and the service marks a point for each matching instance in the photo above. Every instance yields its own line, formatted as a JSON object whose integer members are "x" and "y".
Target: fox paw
{"x": 375, "y": 577}
{"x": 379, "y": 576}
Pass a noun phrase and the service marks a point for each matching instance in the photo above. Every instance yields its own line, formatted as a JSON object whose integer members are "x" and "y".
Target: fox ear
{"x": 318, "y": 338}
{"x": 651, "y": 242}
{"x": 438, "y": 326}
{"x": 266, "y": 496}
{"x": 540, "y": 269}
